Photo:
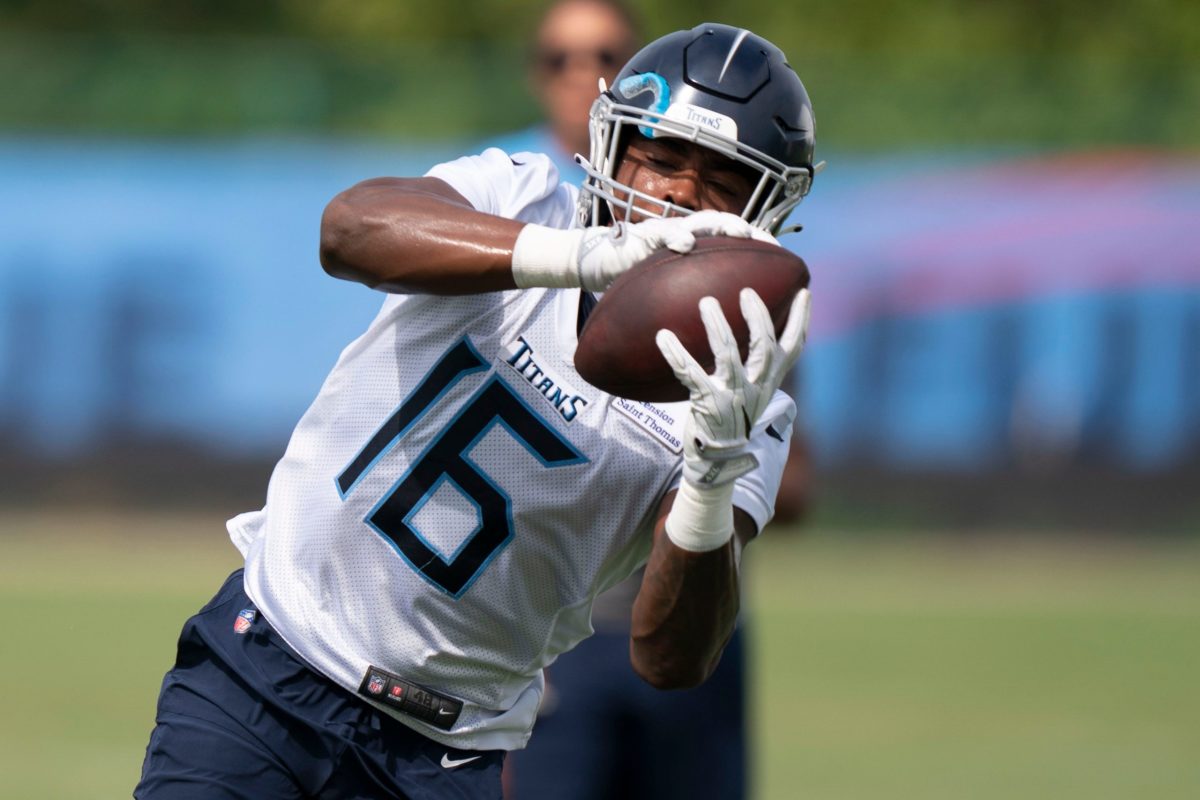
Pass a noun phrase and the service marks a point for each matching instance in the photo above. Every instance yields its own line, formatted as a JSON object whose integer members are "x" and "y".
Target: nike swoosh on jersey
{"x": 451, "y": 763}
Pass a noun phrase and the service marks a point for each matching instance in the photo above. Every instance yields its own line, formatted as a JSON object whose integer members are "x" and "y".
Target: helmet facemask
{"x": 778, "y": 190}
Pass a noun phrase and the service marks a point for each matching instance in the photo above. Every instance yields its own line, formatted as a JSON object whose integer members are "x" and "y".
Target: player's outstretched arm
{"x": 419, "y": 235}
{"x": 687, "y": 606}
{"x": 416, "y": 235}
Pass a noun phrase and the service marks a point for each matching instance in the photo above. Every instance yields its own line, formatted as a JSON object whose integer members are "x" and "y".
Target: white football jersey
{"x": 456, "y": 496}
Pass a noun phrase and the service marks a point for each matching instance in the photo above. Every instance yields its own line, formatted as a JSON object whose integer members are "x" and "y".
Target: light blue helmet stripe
{"x": 651, "y": 82}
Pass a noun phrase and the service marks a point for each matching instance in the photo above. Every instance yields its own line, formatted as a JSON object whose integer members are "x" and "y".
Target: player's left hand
{"x": 594, "y": 257}
{"x": 724, "y": 406}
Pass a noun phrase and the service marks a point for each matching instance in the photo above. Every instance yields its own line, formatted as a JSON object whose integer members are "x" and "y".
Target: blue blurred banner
{"x": 971, "y": 311}
{"x": 976, "y": 312}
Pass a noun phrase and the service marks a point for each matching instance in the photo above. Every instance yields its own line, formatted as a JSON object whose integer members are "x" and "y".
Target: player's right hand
{"x": 722, "y": 409}
{"x": 725, "y": 405}
{"x": 594, "y": 257}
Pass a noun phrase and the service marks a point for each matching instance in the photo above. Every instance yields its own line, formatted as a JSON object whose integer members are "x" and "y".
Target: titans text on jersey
{"x": 565, "y": 400}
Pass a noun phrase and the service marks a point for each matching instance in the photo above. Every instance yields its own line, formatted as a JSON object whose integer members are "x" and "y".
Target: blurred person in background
{"x": 418, "y": 564}
{"x": 602, "y": 731}
{"x": 577, "y": 43}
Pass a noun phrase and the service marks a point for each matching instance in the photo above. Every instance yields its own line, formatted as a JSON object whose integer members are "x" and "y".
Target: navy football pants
{"x": 240, "y": 717}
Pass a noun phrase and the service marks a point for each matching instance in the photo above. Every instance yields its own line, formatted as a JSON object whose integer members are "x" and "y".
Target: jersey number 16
{"x": 447, "y": 460}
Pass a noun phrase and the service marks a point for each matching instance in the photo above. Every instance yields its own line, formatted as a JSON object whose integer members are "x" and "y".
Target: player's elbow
{"x": 337, "y": 234}
{"x": 672, "y": 679}
{"x": 668, "y": 673}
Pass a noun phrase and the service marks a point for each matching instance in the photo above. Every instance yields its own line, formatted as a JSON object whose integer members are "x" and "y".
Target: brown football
{"x": 616, "y": 349}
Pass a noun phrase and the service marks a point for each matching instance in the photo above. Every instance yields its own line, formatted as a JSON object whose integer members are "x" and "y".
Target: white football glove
{"x": 722, "y": 410}
{"x": 593, "y": 257}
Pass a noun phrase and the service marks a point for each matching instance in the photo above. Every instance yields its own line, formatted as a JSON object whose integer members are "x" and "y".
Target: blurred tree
{"x": 883, "y": 73}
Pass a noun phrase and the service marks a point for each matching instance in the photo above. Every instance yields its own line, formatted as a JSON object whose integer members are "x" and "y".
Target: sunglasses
{"x": 555, "y": 61}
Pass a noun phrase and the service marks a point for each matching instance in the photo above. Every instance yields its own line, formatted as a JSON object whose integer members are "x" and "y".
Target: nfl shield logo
{"x": 376, "y": 684}
{"x": 244, "y": 618}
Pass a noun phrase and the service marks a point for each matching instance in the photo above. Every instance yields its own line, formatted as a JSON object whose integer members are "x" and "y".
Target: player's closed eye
{"x": 723, "y": 187}
{"x": 658, "y": 157}
{"x": 660, "y": 162}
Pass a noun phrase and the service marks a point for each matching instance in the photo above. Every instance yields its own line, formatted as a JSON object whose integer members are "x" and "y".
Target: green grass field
{"x": 886, "y": 666}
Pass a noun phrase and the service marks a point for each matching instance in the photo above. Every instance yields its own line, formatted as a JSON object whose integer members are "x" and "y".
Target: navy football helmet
{"x": 724, "y": 88}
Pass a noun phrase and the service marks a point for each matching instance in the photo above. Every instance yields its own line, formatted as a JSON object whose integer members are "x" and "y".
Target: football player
{"x": 602, "y": 732}
{"x": 456, "y": 496}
